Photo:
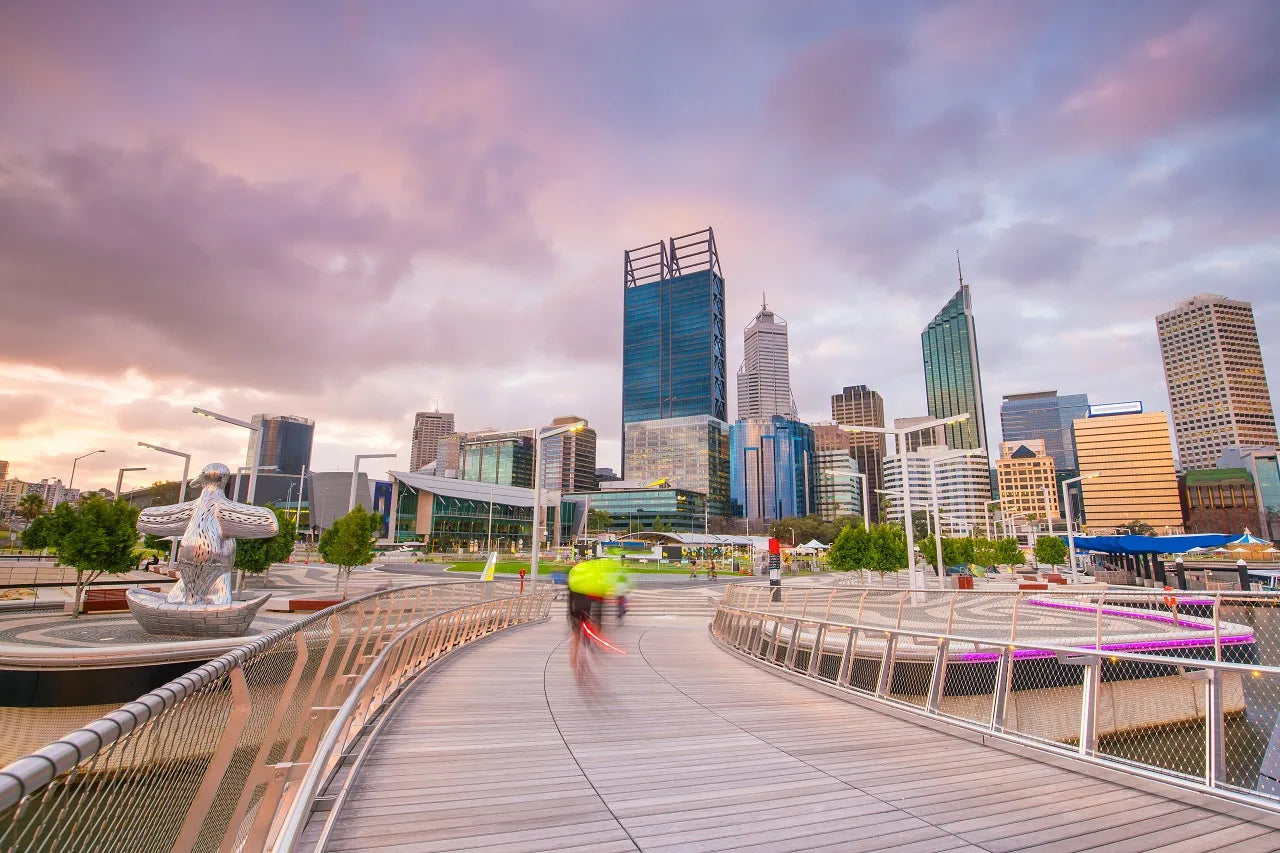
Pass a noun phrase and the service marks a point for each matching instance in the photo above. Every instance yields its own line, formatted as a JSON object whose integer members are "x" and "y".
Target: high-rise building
{"x": 4, "y": 470}
{"x": 962, "y": 480}
{"x": 569, "y": 459}
{"x": 1045, "y": 416}
{"x": 858, "y": 405}
{"x": 1027, "y": 482}
{"x": 772, "y": 465}
{"x": 1131, "y": 452}
{"x": 11, "y": 491}
{"x": 286, "y": 443}
{"x": 1263, "y": 465}
{"x": 428, "y": 429}
{"x": 952, "y": 377}
{"x": 501, "y": 458}
{"x": 673, "y": 338}
{"x": 934, "y": 436}
{"x": 1216, "y": 379}
{"x": 839, "y": 489}
{"x": 764, "y": 379}
{"x": 690, "y": 453}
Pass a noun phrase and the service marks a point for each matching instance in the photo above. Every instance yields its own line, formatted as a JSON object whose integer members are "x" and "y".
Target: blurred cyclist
{"x": 590, "y": 583}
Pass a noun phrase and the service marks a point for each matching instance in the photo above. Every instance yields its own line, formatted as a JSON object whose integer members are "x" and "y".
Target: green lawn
{"x": 509, "y": 568}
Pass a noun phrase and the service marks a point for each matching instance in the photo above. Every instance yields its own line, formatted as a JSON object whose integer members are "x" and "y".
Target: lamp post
{"x": 355, "y": 474}
{"x": 986, "y": 515}
{"x": 1071, "y": 535}
{"x": 538, "y": 437}
{"x": 72, "y": 479}
{"x": 186, "y": 466}
{"x": 915, "y": 576}
{"x": 120, "y": 479}
{"x": 257, "y": 446}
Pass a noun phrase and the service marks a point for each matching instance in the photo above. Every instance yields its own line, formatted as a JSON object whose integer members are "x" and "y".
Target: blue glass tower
{"x": 673, "y": 338}
{"x": 772, "y": 468}
{"x": 1046, "y": 415}
{"x": 952, "y": 378}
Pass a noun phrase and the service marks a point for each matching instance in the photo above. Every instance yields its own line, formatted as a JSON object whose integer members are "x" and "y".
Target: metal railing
{"x": 1183, "y": 688}
{"x": 219, "y": 758}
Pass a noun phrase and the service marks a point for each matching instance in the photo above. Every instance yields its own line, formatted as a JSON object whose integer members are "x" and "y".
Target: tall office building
{"x": 1045, "y": 416}
{"x": 1216, "y": 379}
{"x": 772, "y": 468}
{"x": 673, "y": 338}
{"x": 1131, "y": 452}
{"x": 962, "y": 480}
{"x": 952, "y": 377}
{"x": 839, "y": 489}
{"x": 569, "y": 459}
{"x": 764, "y": 379}
{"x": 858, "y": 405}
{"x": 286, "y": 443}
{"x": 690, "y": 453}
{"x": 428, "y": 429}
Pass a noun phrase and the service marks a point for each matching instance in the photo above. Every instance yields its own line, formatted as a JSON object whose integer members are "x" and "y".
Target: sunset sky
{"x": 352, "y": 211}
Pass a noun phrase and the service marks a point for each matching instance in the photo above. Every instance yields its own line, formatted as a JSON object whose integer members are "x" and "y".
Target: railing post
{"x": 1215, "y": 742}
{"x": 793, "y": 645}
{"x": 1000, "y": 699}
{"x": 1089, "y": 707}
{"x": 884, "y": 684}
{"x": 847, "y": 660}
{"x": 938, "y": 681}
{"x": 815, "y": 655}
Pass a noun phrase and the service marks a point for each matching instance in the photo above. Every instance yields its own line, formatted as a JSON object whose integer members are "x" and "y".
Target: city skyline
{"x": 1084, "y": 205}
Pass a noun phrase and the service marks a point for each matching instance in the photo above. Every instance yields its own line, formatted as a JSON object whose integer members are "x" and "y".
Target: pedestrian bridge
{"x": 776, "y": 730}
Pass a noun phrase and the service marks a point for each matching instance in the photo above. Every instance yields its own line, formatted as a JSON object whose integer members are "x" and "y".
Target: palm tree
{"x": 31, "y": 506}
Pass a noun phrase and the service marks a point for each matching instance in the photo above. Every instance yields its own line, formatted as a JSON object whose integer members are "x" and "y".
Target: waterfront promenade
{"x": 683, "y": 746}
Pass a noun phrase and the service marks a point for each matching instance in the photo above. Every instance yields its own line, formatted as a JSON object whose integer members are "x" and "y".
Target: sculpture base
{"x": 157, "y": 615}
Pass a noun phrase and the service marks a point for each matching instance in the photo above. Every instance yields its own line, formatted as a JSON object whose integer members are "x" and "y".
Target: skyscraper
{"x": 772, "y": 468}
{"x": 428, "y": 429}
{"x": 569, "y": 459}
{"x": 673, "y": 338}
{"x": 858, "y": 405}
{"x": 1045, "y": 416}
{"x": 1131, "y": 453}
{"x": 1216, "y": 379}
{"x": 690, "y": 453}
{"x": 764, "y": 379}
{"x": 286, "y": 443}
{"x": 501, "y": 458}
{"x": 952, "y": 377}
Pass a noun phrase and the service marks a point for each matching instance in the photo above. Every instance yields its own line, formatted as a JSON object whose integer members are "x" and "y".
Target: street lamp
{"x": 914, "y": 575}
{"x": 257, "y": 445}
{"x": 1071, "y": 536}
{"x": 120, "y": 479}
{"x": 538, "y": 436}
{"x": 186, "y": 466}
{"x": 72, "y": 479}
{"x": 355, "y": 474}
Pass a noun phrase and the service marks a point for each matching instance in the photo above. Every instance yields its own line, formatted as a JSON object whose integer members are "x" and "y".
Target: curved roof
{"x": 695, "y": 539}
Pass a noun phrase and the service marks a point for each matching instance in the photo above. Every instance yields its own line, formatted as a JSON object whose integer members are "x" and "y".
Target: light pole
{"x": 488, "y": 537}
{"x": 355, "y": 474}
{"x": 71, "y": 481}
{"x": 1071, "y": 535}
{"x": 186, "y": 466}
{"x": 1048, "y": 509}
{"x": 916, "y": 577}
{"x": 986, "y": 515}
{"x": 539, "y": 435}
{"x": 120, "y": 479}
{"x": 257, "y": 446}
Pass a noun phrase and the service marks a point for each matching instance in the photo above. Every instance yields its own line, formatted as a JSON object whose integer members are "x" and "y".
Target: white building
{"x": 53, "y": 492}
{"x": 839, "y": 487}
{"x": 764, "y": 379}
{"x": 963, "y": 488}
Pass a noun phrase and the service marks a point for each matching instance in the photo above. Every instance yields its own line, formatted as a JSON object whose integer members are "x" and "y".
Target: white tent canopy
{"x": 815, "y": 545}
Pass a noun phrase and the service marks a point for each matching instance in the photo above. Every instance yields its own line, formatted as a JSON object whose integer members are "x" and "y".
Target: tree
{"x": 598, "y": 520}
{"x": 850, "y": 550}
{"x": 1051, "y": 550}
{"x": 101, "y": 538}
{"x": 1140, "y": 528}
{"x": 1007, "y": 552}
{"x": 660, "y": 526}
{"x": 349, "y": 543}
{"x": 47, "y": 530}
{"x": 256, "y": 555}
{"x": 31, "y": 506}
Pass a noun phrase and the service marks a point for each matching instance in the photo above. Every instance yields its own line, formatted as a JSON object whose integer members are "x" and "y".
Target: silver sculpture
{"x": 201, "y": 603}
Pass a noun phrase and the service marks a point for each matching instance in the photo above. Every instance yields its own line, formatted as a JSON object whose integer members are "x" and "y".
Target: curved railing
{"x": 213, "y": 759}
{"x": 1195, "y": 707}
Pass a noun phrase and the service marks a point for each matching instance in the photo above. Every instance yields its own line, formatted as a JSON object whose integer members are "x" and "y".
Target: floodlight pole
{"x": 1071, "y": 535}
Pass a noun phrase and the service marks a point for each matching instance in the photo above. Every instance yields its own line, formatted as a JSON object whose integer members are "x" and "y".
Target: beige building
{"x": 1133, "y": 457}
{"x": 1025, "y": 472}
{"x": 858, "y": 405}
{"x": 428, "y": 429}
{"x": 1216, "y": 379}
{"x": 11, "y": 491}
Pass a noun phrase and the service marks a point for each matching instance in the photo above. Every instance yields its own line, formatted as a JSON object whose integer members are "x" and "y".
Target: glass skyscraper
{"x": 1045, "y": 415}
{"x": 286, "y": 443}
{"x": 690, "y": 453}
{"x": 673, "y": 338}
{"x": 772, "y": 467}
{"x": 952, "y": 378}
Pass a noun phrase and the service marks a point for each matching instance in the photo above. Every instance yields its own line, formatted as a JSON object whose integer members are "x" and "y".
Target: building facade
{"x": 11, "y": 491}
{"x": 428, "y": 429}
{"x": 4, "y": 470}
{"x": 858, "y": 405}
{"x": 690, "y": 453}
{"x": 502, "y": 458}
{"x": 1026, "y": 477}
{"x": 285, "y": 443}
{"x": 1218, "y": 500}
{"x": 447, "y": 514}
{"x": 569, "y": 459}
{"x": 952, "y": 375}
{"x": 934, "y": 436}
{"x": 772, "y": 468}
{"x": 839, "y": 488}
{"x": 1045, "y": 416}
{"x": 1263, "y": 466}
{"x": 1132, "y": 454}
{"x": 1216, "y": 378}
{"x": 764, "y": 379}
{"x": 673, "y": 336}
{"x": 636, "y": 509}
{"x": 962, "y": 481}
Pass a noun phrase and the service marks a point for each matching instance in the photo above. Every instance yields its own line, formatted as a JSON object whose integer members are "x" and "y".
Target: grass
{"x": 510, "y": 568}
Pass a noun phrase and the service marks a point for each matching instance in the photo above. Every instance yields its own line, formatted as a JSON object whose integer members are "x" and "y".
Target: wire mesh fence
{"x": 1182, "y": 685}
{"x": 210, "y": 761}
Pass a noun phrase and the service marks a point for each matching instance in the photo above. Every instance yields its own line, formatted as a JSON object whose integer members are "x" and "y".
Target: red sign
{"x": 522, "y": 572}
{"x": 774, "y": 547}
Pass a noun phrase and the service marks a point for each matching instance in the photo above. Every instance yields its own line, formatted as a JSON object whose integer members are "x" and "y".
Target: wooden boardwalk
{"x": 684, "y": 747}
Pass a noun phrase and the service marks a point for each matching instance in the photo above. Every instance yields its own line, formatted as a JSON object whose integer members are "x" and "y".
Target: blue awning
{"x": 1133, "y": 545}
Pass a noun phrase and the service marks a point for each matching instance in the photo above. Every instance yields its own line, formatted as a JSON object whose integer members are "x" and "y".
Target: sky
{"x": 352, "y": 212}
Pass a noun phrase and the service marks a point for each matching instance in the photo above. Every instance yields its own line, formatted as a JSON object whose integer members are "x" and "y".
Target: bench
{"x": 108, "y": 600}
